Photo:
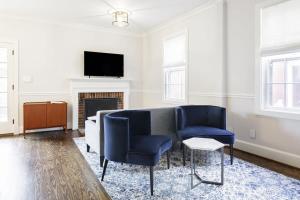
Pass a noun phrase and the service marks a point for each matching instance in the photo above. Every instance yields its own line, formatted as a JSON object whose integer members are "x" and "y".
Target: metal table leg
{"x": 205, "y": 181}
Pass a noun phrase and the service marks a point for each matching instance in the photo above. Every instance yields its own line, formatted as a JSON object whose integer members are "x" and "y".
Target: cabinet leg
{"x": 65, "y": 129}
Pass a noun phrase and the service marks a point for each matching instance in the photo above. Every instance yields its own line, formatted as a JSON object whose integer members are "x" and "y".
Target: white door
{"x": 7, "y": 101}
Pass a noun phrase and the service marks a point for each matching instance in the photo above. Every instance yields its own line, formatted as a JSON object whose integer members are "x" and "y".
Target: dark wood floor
{"x": 46, "y": 166}
{"x": 49, "y": 166}
{"x": 287, "y": 170}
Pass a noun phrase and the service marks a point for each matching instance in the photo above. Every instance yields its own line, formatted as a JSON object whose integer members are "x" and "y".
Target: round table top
{"x": 205, "y": 144}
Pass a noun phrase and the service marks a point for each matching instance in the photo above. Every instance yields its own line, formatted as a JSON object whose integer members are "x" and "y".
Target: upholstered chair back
{"x": 119, "y": 129}
{"x": 201, "y": 115}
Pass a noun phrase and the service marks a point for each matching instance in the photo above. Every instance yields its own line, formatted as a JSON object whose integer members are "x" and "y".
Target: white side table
{"x": 204, "y": 144}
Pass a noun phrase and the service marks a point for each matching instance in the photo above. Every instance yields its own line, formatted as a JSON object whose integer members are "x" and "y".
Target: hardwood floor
{"x": 268, "y": 164}
{"x": 49, "y": 166}
{"x": 46, "y": 166}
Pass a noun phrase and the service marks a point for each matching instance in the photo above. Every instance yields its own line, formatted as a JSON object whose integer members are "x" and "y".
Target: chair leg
{"x": 151, "y": 180}
{"x": 231, "y": 153}
{"x": 168, "y": 159}
{"x": 183, "y": 155}
{"x": 104, "y": 169}
{"x": 101, "y": 161}
{"x": 88, "y": 148}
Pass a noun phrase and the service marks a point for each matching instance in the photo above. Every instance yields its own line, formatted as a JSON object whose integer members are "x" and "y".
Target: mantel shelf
{"x": 84, "y": 79}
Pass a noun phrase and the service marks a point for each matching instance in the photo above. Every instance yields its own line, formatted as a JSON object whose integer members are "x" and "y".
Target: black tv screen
{"x": 103, "y": 64}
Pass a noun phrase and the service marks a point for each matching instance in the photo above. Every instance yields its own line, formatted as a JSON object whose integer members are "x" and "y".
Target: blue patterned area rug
{"x": 243, "y": 180}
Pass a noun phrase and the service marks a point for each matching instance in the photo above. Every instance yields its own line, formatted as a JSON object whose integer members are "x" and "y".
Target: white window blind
{"x": 175, "y": 51}
{"x": 174, "y": 63}
{"x": 280, "y": 24}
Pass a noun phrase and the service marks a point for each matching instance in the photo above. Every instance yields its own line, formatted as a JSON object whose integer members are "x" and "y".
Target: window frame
{"x": 175, "y": 67}
{"x": 260, "y": 74}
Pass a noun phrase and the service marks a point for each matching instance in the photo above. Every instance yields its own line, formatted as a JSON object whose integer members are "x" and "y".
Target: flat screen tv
{"x": 103, "y": 64}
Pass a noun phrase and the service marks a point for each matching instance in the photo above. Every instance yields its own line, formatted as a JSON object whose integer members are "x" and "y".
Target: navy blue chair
{"x": 203, "y": 121}
{"x": 128, "y": 139}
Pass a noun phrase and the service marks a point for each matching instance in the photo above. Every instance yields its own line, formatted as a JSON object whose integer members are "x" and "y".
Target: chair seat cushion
{"x": 147, "y": 149}
{"x": 221, "y": 135}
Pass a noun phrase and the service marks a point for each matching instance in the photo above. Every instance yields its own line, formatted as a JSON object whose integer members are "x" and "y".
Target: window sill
{"x": 174, "y": 102}
{"x": 279, "y": 114}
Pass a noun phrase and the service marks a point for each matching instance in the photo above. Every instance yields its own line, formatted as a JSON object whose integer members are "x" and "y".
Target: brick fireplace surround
{"x": 82, "y": 88}
{"x": 96, "y": 95}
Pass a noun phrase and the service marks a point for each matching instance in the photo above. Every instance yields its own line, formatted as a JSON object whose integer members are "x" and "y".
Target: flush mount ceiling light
{"x": 120, "y": 18}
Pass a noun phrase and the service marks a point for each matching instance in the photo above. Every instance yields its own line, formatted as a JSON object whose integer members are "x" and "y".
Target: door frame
{"x": 15, "y": 78}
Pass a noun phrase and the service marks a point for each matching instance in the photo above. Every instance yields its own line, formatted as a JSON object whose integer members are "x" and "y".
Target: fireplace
{"x": 96, "y": 88}
{"x": 91, "y": 102}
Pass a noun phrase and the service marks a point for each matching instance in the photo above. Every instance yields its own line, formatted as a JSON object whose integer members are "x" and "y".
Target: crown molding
{"x": 79, "y": 26}
{"x": 183, "y": 17}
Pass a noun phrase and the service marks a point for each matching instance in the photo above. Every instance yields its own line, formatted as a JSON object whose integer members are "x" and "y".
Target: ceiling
{"x": 144, "y": 14}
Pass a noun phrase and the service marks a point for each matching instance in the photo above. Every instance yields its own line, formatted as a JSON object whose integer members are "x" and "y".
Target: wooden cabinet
{"x": 38, "y": 115}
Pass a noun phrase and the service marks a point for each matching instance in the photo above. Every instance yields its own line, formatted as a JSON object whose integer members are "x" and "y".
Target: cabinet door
{"x": 35, "y": 116}
{"x": 56, "y": 114}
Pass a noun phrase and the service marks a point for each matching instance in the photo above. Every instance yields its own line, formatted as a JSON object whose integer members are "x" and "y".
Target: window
{"x": 282, "y": 81}
{"x": 3, "y": 85}
{"x": 279, "y": 57}
{"x": 174, "y": 64}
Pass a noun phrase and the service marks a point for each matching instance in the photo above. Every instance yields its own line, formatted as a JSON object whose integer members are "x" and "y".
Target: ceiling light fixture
{"x": 120, "y": 18}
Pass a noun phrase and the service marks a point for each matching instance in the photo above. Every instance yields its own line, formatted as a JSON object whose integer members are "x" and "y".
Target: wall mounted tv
{"x": 103, "y": 64}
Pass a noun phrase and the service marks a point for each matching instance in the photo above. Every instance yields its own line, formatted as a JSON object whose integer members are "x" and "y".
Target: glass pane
{"x": 276, "y": 95}
{"x": 293, "y": 95}
{"x": 3, "y": 54}
{"x": 296, "y": 73}
{"x": 3, "y": 69}
{"x": 277, "y": 72}
{"x": 293, "y": 71}
{"x": 175, "y": 84}
{"x": 3, "y": 114}
{"x": 3, "y": 84}
{"x": 296, "y": 95}
{"x": 3, "y": 99}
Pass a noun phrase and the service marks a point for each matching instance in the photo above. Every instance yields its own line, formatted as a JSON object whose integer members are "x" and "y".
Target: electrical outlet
{"x": 252, "y": 134}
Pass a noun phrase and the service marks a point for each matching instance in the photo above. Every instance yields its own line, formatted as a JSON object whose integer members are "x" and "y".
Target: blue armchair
{"x": 203, "y": 121}
{"x": 128, "y": 139}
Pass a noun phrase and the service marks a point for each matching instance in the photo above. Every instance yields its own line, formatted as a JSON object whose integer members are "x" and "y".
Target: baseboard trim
{"x": 6, "y": 135}
{"x": 270, "y": 153}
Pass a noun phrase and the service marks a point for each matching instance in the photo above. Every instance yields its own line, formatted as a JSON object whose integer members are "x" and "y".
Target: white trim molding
{"x": 30, "y": 94}
{"x": 14, "y": 45}
{"x": 270, "y": 153}
{"x": 78, "y": 26}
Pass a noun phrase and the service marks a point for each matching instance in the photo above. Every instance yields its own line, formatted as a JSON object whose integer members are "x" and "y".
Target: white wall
{"x": 205, "y": 61}
{"x": 277, "y": 138}
{"x": 228, "y": 80}
{"x": 50, "y": 54}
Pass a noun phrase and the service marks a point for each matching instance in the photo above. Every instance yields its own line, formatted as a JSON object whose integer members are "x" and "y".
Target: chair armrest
{"x": 116, "y": 138}
{"x": 180, "y": 119}
{"x": 217, "y": 117}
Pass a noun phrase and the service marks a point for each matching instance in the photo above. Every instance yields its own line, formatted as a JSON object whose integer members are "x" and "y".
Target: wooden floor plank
{"x": 46, "y": 166}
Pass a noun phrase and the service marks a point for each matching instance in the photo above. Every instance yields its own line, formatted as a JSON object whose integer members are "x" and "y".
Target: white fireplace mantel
{"x": 82, "y": 85}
